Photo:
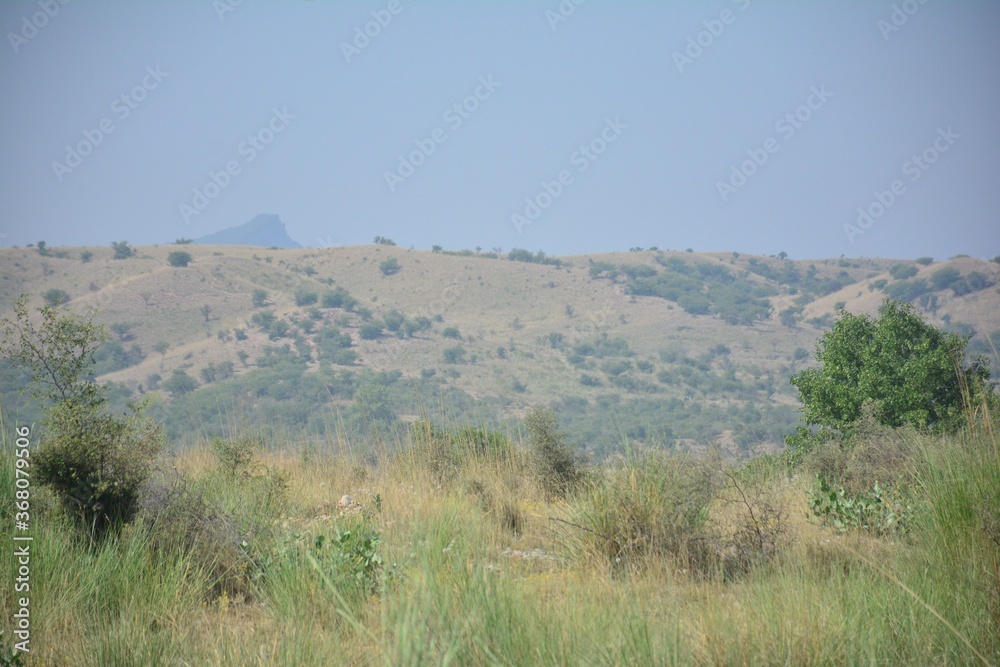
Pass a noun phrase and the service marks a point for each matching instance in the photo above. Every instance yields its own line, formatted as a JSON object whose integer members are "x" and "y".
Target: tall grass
{"x": 433, "y": 569}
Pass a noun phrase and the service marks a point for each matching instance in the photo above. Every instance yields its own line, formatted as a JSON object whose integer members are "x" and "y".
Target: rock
{"x": 346, "y": 501}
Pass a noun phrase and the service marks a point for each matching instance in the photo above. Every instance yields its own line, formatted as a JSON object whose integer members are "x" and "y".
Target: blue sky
{"x": 749, "y": 125}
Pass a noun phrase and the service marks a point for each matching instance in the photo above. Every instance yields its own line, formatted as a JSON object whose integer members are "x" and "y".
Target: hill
{"x": 267, "y": 231}
{"x": 652, "y": 346}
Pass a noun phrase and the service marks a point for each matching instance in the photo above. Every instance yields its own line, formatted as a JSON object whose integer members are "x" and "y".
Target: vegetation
{"x": 478, "y": 544}
{"x": 179, "y": 258}
{"x": 908, "y": 371}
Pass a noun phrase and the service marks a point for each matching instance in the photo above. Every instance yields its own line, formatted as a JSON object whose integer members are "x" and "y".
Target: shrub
{"x": 553, "y": 462}
{"x": 370, "y": 330}
{"x": 236, "y": 457}
{"x": 944, "y": 277}
{"x": 452, "y": 332}
{"x": 305, "y": 297}
{"x": 389, "y": 266}
{"x": 179, "y": 258}
{"x": 902, "y": 271}
{"x": 56, "y": 297}
{"x": 180, "y": 383}
{"x": 924, "y": 261}
{"x": 123, "y": 250}
{"x": 93, "y": 459}
{"x": 653, "y": 506}
{"x": 86, "y": 256}
{"x": 259, "y": 298}
{"x": 912, "y": 372}
{"x": 454, "y": 355}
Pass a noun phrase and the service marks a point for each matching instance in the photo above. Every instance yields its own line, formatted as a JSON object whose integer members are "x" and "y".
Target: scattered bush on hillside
{"x": 902, "y": 271}
{"x": 123, "y": 250}
{"x": 389, "y": 266}
{"x": 179, "y": 258}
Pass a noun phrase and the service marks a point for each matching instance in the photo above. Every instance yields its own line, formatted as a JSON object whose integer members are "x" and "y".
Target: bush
{"x": 454, "y": 355}
{"x": 123, "y": 250}
{"x": 452, "y": 332}
{"x": 389, "y": 266}
{"x": 650, "y": 507}
{"x": 911, "y": 372}
{"x": 370, "y": 330}
{"x": 180, "y": 383}
{"x": 56, "y": 297}
{"x": 179, "y": 258}
{"x": 553, "y": 462}
{"x": 902, "y": 271}
{"x": 259, "y": 298}
{"x": 93, "y": 459}
{"x": 305, "y": 297}
{"x": 236, "y": 457}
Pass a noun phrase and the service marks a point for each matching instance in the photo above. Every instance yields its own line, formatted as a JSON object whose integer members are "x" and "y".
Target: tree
{"x": 43, "y": 249}
{"x": 180, "y": 383}
{"x": 123, "y": 330}
{"x": 911, "y": 372}
{"x": 259, "y": 298}
{"x": 86, "y": 256}
{"x": 93, "y": 459}
{"x": 179, "y": 258}
{"x": 381, "y": 240}
{"x": 183, "y": 241}
{"x": 389, "y": 266}
{"x": 56, "y": 297}
{"x": 122, "y": 249}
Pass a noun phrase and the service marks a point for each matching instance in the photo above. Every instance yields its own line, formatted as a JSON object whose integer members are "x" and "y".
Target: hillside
{"x": 656, "y": 346}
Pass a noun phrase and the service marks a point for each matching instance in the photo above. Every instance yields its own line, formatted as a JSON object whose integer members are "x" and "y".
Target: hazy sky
{"x": 749, "y": 125}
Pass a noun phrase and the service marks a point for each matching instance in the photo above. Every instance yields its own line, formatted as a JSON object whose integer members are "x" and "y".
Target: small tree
{"x": 122, "y": 249}
{"x": 180, "y": 383}
{"x": 259, "y": 298}
{"x": 389, "y": 266}
{"x": 94, "y": 460}
{"x": 56, "y": 297}
{"x": 912, "y": 373}
{"x": 554, "y": 463}
{"x": 179, "y": 258}
{"x": 86, "y": 256}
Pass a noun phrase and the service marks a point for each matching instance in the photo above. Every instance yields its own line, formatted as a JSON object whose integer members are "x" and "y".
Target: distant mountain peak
{"x": 266, "y": 230}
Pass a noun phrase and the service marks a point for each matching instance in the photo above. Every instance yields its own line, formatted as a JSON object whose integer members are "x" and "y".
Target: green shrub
{"x": 454, "y": 355}
{"x": 236, "y": 457}
{"x": 654, "y": 506}
{"x": 370, "y": 330}
{"x": 879, "y": 511}
{"x": 56, "y": 297}
{"x": 179, "y": 258}
{"x": 94, "y": 459}
{"x": 553, "y": 462}
{"x": 305, "y": 297}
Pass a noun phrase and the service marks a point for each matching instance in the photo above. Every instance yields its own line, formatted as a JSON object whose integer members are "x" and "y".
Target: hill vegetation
{"x": 873, "y": 540}
{"x": 652, "y": 347}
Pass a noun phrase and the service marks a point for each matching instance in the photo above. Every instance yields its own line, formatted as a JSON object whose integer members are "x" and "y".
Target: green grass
{"x": 429, "y": 575}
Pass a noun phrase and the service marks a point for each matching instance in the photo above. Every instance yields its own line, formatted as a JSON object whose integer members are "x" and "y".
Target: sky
{"x": 821, "y": 129}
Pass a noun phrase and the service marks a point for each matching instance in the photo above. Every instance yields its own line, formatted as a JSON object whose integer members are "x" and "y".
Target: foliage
{"x": 554, "y": 463}
{"x": 454, "y": 355}
{"x": 94, "y": 460}
{"x": 902, "y": 271}
{"x": 389, "y": 266}
{"x": 56, "y": 297}
{"x": 305, "y": 297}
{"x": 381, "y": 240}
{"x": 259, "y": 298}
{"x": 914, "y": 373}
{"x": 180, "y": 383}
{"x": 879, "y": 510}
{"x": 370, "y": 330}
{"x": 179, "y": 258}
{"x": 122, "y": 250}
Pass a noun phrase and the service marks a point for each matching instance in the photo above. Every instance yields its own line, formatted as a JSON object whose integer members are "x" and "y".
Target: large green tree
{"x": 911, "y": 372}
